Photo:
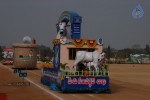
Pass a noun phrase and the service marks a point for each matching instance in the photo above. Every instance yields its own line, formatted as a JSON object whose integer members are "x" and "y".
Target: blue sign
{"x": 137, "y": 12}
{"x": 77, "y": 19}
{"x": 86, "y": 82}
{"x": 57, "y": 57}
{"x": 22, "y": 74}
{"x": 76, "y": 31}
{"x": 76, "y": 28}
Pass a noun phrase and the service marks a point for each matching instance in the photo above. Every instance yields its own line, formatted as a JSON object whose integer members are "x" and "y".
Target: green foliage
{"x": 62, "y": 66}
{"x": 125, "y": 53}
{"x": 121, "y": 54}
{"x": 108, "y": 52}
{"x": 1, "y": 50}
{"x": 147, "y": 49}
{"x": 105, "y": 67}
{"x": 45, "y": 53}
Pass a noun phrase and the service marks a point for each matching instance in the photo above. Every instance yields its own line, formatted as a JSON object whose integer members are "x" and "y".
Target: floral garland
{"x": 56, "y": 41}
{"x": 78, "y": 42}
{"x": 91, "y": 43}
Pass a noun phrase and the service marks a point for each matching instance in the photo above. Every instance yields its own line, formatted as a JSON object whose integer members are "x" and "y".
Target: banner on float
{"x": 86, "y": 82}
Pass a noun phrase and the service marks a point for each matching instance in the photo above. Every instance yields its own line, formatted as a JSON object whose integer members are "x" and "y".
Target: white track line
{"x": 34, "y": 73}
{"x": 38, "y": 85}
{"x": 76, "y": 96}
{"x": 91, "y": 95}
{"x": 43, "y": 88}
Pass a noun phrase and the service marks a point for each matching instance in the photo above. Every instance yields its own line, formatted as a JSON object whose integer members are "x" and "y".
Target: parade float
{"x": 25, "y": 54}
{"x": 78, "y": 63}
{"x": 7, "y": 56}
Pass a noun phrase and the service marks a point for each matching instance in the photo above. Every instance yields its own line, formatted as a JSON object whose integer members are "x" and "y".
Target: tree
{"x": 45, "y": 52}
{"x": 136, "y": 46}
{"x": 147, "y": 49}
{"x": 1, "y": 50}
{"x": 124, "y": 53}
{"x": 108, "y": 53}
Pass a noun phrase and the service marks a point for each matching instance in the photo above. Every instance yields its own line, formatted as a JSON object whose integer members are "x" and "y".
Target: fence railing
{"x": 86, "y": 73}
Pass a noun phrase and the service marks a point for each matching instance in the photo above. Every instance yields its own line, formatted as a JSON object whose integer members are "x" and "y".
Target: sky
{"x": 110, "y": 19}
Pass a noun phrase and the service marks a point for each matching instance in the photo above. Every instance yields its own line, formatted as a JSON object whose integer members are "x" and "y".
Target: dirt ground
{"x": 127, "y": 82}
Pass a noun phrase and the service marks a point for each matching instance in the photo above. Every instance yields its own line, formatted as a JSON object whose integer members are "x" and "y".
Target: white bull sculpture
{"x": 62, "y": 32}
{"x": 91, "y": 58}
